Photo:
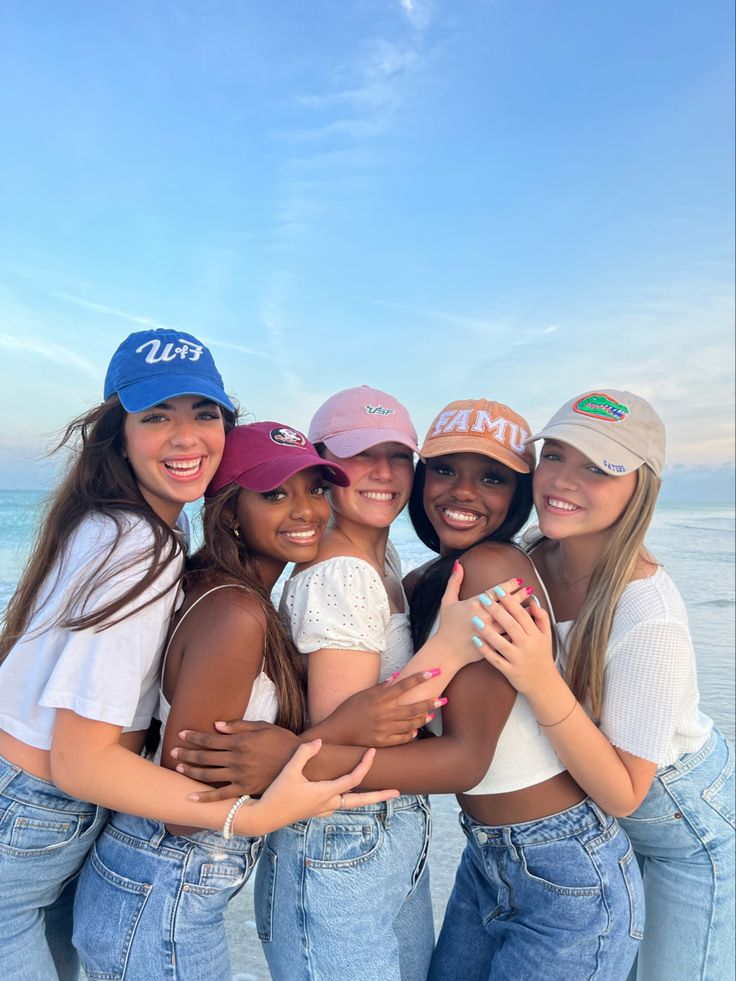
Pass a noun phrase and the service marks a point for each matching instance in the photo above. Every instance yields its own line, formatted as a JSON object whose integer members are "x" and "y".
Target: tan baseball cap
{"x": 481, "y": 426}
{"x": 617, "y": 430}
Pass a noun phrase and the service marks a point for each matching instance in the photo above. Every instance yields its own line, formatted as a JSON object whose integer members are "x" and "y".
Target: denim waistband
{"x": 387, "y": 807}
{"x": 17, "y": 784}
{"x": 564, "y": 824}
{"x": 154, "y": 834}
{"x": 672, "y": 772}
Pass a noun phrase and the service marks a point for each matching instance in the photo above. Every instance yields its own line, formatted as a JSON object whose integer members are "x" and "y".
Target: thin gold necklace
{"x": 384, "y": 572}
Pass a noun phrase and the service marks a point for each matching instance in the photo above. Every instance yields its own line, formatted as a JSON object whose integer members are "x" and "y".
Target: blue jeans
{"x": 683, "y": 834}
{"x": 559, "y": 898}
{"x": 346, "y": 897}
{"x": 44, "y": 837}
{"x": 150, "y": 905}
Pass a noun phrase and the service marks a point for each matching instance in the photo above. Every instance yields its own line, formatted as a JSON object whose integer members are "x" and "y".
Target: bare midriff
{"x": 38, "y": 761}
{"x": 530, "y": 804}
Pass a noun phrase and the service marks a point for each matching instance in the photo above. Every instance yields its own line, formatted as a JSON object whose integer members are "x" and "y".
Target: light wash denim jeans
{"x": 683, "y": 834}
{"x": 558, "y": 899}
{"x": 44, "y": 837}
{"x": 150, "y": 905}
{"x": 346, "y": 897}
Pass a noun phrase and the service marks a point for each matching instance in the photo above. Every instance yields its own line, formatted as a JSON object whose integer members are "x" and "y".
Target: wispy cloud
{"x": 151, "y": 322}
{"x": 54, "y": 353}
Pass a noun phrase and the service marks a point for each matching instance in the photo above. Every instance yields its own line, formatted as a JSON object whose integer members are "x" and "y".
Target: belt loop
{"x": 509, "y": 843}
{"x": 602, "y": 818}
{"x": 390, "y": 808}
{"x": 158, "y": 835}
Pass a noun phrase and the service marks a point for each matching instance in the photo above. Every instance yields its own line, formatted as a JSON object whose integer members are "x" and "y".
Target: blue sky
{"x": 441, "y": 198}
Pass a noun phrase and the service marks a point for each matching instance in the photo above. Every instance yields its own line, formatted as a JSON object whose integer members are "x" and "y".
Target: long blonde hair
{"x": 613, "y": 572}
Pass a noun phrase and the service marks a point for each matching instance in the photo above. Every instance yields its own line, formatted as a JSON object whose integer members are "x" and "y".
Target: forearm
{"x": 434, "y": 653}
{"x": 439, "y": 765}
{"x": 114, "y": 777}
{"x": 584, "y": 750}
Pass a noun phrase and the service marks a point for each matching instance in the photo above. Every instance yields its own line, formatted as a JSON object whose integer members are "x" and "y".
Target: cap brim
{"x": 265, "y": 478}
{"x": 456, "y": 444}
{"x": 145, "y": 394}
{"x": 358, "y": 440}
{"x": 602, "y": 450}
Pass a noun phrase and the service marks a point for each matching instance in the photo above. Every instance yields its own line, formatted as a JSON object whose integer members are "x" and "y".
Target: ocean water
{"x": 694, "y": 542}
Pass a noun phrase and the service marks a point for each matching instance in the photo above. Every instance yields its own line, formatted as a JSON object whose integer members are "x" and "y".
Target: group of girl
{"x": 550, "y": 685}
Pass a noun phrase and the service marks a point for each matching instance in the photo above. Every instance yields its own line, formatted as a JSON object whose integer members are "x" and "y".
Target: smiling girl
{"x": 82, "y": 639}
{"x": 623, "y": 714}
{"x": 151, "y": 899}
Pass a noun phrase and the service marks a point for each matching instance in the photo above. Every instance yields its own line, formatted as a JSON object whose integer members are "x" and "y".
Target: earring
{"x": 236, "y": 531}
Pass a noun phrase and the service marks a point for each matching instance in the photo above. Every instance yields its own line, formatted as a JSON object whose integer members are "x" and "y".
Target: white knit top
{"x": 650, "y": 702}
{"x": 262, "y": 704}
{"x": 342, "y": 603}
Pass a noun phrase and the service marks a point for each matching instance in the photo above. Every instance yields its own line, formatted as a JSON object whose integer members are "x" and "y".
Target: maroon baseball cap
{"x": 262, "y": 455}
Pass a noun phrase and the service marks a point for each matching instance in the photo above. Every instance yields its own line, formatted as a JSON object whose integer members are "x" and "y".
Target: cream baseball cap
{"x": 617, "y": 430}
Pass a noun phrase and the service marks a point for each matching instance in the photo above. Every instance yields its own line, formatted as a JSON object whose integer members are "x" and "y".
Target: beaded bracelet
{"x": 227, "y": 828}
{"x": 551, "y": 725}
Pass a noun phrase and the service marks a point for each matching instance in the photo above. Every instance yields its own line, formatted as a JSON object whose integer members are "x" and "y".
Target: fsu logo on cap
{"x": 601, "y": 407}
{"x": 287, "y": 437}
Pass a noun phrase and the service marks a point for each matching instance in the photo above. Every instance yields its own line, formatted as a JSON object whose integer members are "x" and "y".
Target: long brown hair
{"x": 99, "y": 480}
{"x": 613, "y": 571}
{"x": 226, "y": 558}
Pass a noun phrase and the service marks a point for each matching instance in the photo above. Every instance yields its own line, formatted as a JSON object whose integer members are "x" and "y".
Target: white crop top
{"x": 650, "y": 699}
{"x": 109, "y": 675}
{"x": 524, "y": 756}
{"x": 263, "y": 702}
{"x": 342, "y": 603}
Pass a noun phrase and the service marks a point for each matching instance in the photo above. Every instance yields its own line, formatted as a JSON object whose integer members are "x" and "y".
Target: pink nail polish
{"x": 394, "y": 676}
{"x": 430, "y": 716}
{"x": 431, "y": 674}
{"x": 529, "y": 590}
{"x": 441, "y": 702}
{"x": 519, "y": 582}
{"x": 455, "y": 566}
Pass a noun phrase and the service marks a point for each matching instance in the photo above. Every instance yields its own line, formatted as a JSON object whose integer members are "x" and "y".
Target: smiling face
{"x": 285, "y": 524}
{"x": 467, "y": 496}
{"x": 575, "y": 497}
{"x": 174, "y": 449}
{"x": 380, "y": 484}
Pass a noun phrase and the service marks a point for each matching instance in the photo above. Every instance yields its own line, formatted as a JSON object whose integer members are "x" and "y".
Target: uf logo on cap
{"x": 188, "y": 351}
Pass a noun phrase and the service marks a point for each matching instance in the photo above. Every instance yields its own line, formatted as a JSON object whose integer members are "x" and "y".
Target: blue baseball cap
{"x": 151, "y": 366}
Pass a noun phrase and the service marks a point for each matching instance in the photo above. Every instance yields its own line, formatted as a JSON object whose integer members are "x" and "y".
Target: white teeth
{"x": 377, "y": 495}
{"x": 185, "y": 468}
{"x": 562, "y": 505}
{"x": 301, "y": 535}
{"x": 461, "y": 516}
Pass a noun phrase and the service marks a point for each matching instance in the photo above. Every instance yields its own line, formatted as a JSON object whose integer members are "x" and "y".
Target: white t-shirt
{"x": 342, "y": 603}
{"x": 109, "y": 675}
{"x": 650, "y": 701}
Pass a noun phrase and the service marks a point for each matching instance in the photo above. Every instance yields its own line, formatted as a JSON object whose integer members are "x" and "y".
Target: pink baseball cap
{"x": 262, "y": 455}
{"x": 357, "y": 418}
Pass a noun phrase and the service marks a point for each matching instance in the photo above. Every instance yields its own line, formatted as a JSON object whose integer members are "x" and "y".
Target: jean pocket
{"x": 29, "y": 830}
{"x": 424, "y": 853}
{"x": 347, "y": 843}
{"x": 720, "y": 794}
{"x": 632, "y": 880}
{"x": 104, "y": 942}
{"x": 562, "y": 867}
{"x": 218, "y": 875}
{"x": 265, "y": 893}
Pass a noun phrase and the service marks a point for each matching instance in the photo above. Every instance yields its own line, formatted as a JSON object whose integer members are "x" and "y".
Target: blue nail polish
{"x": 477, "y": 641}
{"x": 499, "y": 591}
{"x": 485, "y": 599}
{"x": 477, "y": 622}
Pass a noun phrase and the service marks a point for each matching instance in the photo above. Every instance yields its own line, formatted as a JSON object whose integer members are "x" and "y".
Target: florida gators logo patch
{"x": 599, "y": 406}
